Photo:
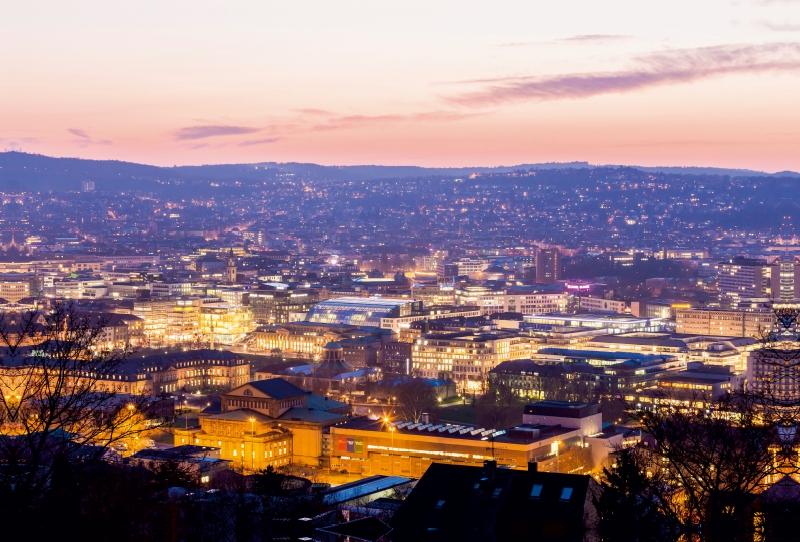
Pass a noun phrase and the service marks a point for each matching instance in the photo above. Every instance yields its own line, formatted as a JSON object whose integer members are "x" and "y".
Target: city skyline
{"x": 444, "y": 85}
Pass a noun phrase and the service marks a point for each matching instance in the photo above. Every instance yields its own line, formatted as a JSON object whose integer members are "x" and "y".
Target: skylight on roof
{"x": 566, "y": 493}
{"x": 536, "y": 491}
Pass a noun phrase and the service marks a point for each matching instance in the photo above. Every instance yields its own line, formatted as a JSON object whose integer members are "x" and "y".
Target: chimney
{"x": 426, "y": 418}
{"x": 489, "y": 466}
{"x": 533, "y": 466}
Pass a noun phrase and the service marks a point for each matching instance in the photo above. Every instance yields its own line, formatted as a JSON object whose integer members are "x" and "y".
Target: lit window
{"x": 440, "y": 503}
{"x": 536, "y": 491}
{"x": 566, "y": 493}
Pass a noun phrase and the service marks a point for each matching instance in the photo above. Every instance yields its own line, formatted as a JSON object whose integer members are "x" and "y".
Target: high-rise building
{"x": 785, "y": 280}
{"x": 87, "y": 186}
{"x": 548, "y": 266}
{"x": 742, "y": 278}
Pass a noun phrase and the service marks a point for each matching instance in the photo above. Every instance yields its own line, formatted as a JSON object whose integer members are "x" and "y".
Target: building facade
{"x": 728, "y": 323}
{"x": 267, "y": 423}
{"x": 465, "y": 357}
{"x": 742, "y": 278}
{"x": 548, "y": 266}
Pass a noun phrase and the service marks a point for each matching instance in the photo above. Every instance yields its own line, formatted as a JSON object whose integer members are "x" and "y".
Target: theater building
{"x": 266, "y": 423}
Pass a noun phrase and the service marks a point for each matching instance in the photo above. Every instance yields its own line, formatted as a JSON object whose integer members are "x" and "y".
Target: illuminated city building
{"x": 441, "y": 293}
{"x": 396, "y": 447}
{"x": 14, "y": 287}
{"x": 267, "y": 423}
{"x": 742, "y": 278}
{"x": 724, "y": 322}
{"x": 785, "y": 280}
{"x": 548, "y": 266}
{"x": 177, "y": 372}
{"x": 362, "y": 312}
{"x": 465, "y": 357}
{"x": 332, "y": 376}
{"x": 469, "y": 267}
{"x": 230, "y": 267}
{"x": 617, "y": 323}
{"x": 775, "y": 373}
{"x": 301, "y": 338}
{"x": 279, "y": 306}
{"x": 159, "y": 289}
{"x": 225, "y": 323}
{"x": 601, "y": 304}
{"x": 493, "y": 300}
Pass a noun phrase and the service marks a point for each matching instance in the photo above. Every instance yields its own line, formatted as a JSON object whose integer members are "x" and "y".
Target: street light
{"x": 556, "y": 444}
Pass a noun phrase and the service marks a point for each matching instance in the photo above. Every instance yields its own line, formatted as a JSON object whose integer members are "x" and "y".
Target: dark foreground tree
{"x": 717, "y": 457}
{"x": 59, "y": 405}
{"x": 635, "y": 503}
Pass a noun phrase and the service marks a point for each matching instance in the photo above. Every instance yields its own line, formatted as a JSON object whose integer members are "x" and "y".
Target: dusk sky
{"x": 701, "y": 83}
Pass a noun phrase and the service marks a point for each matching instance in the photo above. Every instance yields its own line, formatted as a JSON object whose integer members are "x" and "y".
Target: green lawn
{"x": 458, "y": 414}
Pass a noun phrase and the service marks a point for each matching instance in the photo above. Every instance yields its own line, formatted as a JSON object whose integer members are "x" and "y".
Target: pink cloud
{"x": 662, "y": 68}
{"x": 201, "y": 132}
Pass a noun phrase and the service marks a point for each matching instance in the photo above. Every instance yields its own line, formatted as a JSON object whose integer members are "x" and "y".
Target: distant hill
{"x": 23, "y": 171}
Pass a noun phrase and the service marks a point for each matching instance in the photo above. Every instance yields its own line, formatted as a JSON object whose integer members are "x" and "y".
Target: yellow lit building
{"x": 305, "y": 338}
{"x": 190, "y": 371}
{"x": 224, "y": 323}
{"x": 369, "y": 447}
{"x": 267, "y": 423}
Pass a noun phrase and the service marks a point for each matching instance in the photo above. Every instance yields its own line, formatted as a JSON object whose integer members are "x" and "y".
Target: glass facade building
{"x": 361, "y": 311}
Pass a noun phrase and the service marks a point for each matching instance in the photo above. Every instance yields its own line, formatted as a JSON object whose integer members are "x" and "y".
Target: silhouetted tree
{"x": 416, "y": 396}
{"x": 632, "y": 505}
{"x": 56, "y": 406}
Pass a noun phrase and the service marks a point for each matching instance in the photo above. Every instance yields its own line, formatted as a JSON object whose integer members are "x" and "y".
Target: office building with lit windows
{"x": 742, "y": 278}
{"x": 548, "y": 266}
{"x": 785, "y": 280}
{"x": 491, "y": 300}
{"x": 728, "y": 323}
{"x": 224, "y": 323}
{"x": 465, "y": 357}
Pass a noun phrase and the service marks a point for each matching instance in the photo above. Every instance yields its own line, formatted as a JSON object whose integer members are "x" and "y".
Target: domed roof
{"x": 333, "y": 362}
{"x": 331, "y": 368}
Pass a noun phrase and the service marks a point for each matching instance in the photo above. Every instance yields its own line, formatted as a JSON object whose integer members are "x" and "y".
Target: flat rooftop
{"x": 378, "y": 302}
{"x": 590, "y": 318}
{"x": 460, "y": 432}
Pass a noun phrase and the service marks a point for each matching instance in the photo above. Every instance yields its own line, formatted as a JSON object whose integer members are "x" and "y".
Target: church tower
{"x": 231, "y": 267}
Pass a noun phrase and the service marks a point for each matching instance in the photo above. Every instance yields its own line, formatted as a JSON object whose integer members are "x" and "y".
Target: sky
{"x": 430, "y": 83}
